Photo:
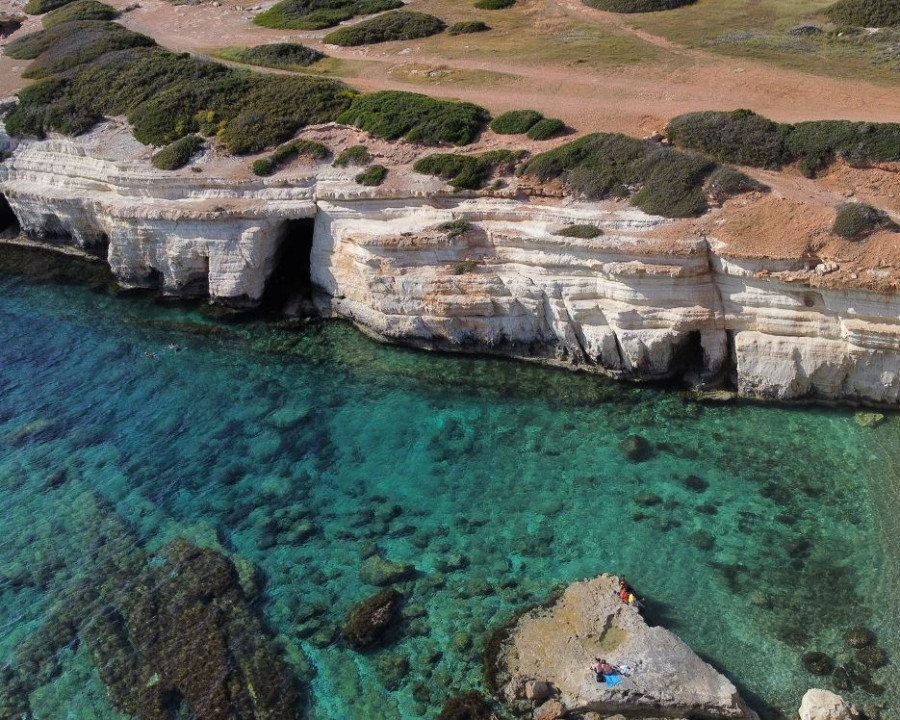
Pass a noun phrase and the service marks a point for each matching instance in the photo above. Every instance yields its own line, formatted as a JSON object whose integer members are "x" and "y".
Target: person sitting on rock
{"x": 628, "y": 596}
{"x": 601, "y": 669}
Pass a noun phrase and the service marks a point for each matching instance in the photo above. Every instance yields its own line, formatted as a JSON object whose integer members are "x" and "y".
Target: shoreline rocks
{"x": 824, "y": 705}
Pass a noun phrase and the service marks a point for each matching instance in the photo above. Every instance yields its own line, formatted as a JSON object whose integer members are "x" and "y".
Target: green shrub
{"x": 494, "y": 4}
{"x": 584, "y": 232}
{"x": 320, "y": 14}
{"x": 394, "y": 25}
{"x": 741, "y": 137}
{"x": 465, "y": 267}
{"x": 283, "y": 154}
{"x": 609, "y": 165}
{"x": 856, "y": 221}
{"x": 354, "y": 155}
{"x": 39, "y": 7}
{"x": 468, "y": 172}
{"x": 80, "y": 10}
{"x": 546, "y": 129}
{"x": 637, "y": 6}
{"x": 865, "y": 13}
{"x": 177, "y": 154}
{"x": 454, "y": 228}
{"x": 277, "y": 55}
{"x": 66, "y": 45}
{"x": 373, "y": 175}
{"x": 515, "y": 122}
{"x": 726, "y": 182}
{"x": 816, "y": 143}
{"x": 467, "y": 27}
{"x": 392, "y": 114}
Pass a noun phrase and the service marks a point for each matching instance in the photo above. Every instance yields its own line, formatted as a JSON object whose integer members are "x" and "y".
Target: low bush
{"x": 546, "y": 129}
{"x": 392, "y": 114}
{"x": 374, "y": 175}
{"x": 468, "y": 172}
{"x": 726, "y": 182}
{"x": 465, "y": 267}
{"x": 612, "y": 165}
{"x": 276, "y": 55}
{"x": 39, "y": 7}
{"x": 468, "y": 27}
{"x": 637, "y": 6}
{"x": 394, "y": 25}
{"x": 515, "y": 122}
{"x": 80, "y": 10}
{"x": 494, "y": 4}
{"x": 320, "y": 14}
{"x": 856, "y": 221}
{"x": 583, "y": 231}
{"x": 454, "y": 228}
{"x": 283, "y": 154}
{"x": 354, "y": 155}
{"x": 865, "y": 13}
{"x": 177, "y": 154}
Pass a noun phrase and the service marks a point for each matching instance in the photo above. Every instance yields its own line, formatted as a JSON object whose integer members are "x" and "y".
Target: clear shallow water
{"x": 248, "y": 431}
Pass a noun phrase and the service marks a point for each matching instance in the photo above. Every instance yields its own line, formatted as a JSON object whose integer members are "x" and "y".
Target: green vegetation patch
{"x": 856, "y": 221}
{"x": 394, "y": 25}
{"x": 80, "y": 10}
{"x": 582, "y": 231}
{"x": 39, "y": 7}
{"x": 419, "y": 118}
{"x": 516, "y": 122}
{"x": 167, "y": 96}
{"x": 277, "y": 55}
{"x": 637, "y": 6}
{"x": 373, "y": 176}
{"x": 865, "y": 13}
{"x": 354, "y": 155}
{"x": 66, "y": 45}
{"x": 494, "y": 4}
{"x": 467, "y": 27}
{"x": 455, "y": 228}
{"x": 320, "y": 14}
{"x": 609, "y": 165}
{"x": 726, "y": 182}
{"x": 745, "y": 138}
{"x": 468, "y": 172}
{"x": 177, "y": 154}
{"x": 283, "y": 154}
{"x": 546, "y": 129}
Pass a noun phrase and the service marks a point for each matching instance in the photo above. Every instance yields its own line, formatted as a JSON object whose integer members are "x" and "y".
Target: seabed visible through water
{"x": 758, "y": 532}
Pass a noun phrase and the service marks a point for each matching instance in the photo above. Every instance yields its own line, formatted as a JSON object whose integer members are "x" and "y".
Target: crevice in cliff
{"x": 289, "y": 287}
{"x": 9, "y": 223}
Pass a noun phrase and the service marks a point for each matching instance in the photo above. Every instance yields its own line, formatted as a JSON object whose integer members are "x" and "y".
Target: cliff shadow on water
{"x": 9, "y": 223}
{"x": 289, "y": 287}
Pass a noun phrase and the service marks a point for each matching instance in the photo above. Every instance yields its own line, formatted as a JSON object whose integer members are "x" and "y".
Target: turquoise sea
{"x": 759, "y": 533}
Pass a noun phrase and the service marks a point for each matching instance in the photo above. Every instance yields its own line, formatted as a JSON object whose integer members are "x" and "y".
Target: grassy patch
{"x": 80, "y": 10}
{"x": 745, "y": 138}
{"x": 419, "y": 118}
{"x": 494, "y": 4}
{"x": 637, "y": 6}
{"x": 373, "y": 175}
{"x": 319, "y": 14}
{"x": 394, "y": 25}
{"x": 468, "y": 172}
{"x": 39, "y": 7}
{"x": 582, "y": 231}
{"x": 865, "y": 13}
{"x": 546, "y": 129}
{"x": 467, "y": 27}
{"x": 283, "y": 154}
{"x": 454, "y": 228}
{"x": 177, "y": 154}
{"x": 515, "y": 122}
{"x": 610, "y": 165}
{"x": 355, "y": 155}
{"x": 726, "y": 182}
{"x": 285, "y": 56}
{"x": 856, "y": 221}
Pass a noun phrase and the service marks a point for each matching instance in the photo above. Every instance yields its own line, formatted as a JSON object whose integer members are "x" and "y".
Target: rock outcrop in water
{"x": 557, "y": 644}
{"x": 648, "y": 299}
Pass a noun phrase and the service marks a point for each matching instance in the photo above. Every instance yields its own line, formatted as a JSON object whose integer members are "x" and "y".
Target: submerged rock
{"x": 818, "y": 663}
{"x": 636, "y": 448}
{"x": 368, "y": 621}
{"x": 824, "y": 705}
{"x": 468, "y": 706}
{"x": 375, "y": 570}
{"x": 555, "y": 644}
{"x": 859, "y": 637}
{"x": 871, "y": 656}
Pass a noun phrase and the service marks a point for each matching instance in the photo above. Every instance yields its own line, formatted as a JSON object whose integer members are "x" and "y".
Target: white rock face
{"x": 627, "y": 304}
{"x": 825, "y": 705}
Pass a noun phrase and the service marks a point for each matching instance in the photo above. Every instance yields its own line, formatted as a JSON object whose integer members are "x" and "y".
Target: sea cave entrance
{"x": 289, "y": 287}
{"x": 9, "y": 223}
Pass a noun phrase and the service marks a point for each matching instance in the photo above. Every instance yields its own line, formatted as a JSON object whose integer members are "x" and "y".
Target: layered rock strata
{"x": 648, "y": 299}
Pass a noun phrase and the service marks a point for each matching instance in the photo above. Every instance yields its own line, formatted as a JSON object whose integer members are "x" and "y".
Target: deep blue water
{"x": 160, "y": 422}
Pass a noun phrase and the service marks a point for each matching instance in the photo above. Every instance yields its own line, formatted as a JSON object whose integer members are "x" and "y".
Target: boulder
{"x": 550, "y": 710}
{"x": 368, "y": 621}
{"x": 538, "y": 690}
{"x": 556, "y": 644}
{"x": 375, "y": 570}
{"x": 825, "y": 705}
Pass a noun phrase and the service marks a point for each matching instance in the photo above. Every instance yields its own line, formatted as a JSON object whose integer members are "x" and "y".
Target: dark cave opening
{"x": 289, "y": 287}
{"x": 9, "y": 223}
